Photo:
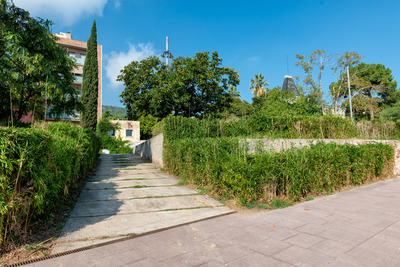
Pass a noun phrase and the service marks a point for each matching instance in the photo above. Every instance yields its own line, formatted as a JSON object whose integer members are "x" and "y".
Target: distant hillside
{"x": 115, "y": 110}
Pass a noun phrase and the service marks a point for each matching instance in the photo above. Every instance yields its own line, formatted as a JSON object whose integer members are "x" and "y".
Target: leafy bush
{"x": 114, "y": 144}
{"x": 104, "y": 126}
{"x": 38, "y": 167}
{"x": 224, "y": 165}
{"x": 146, "y": 126}
{"x": 391, "y": 113}
{"x": 262, "y": 126}
{"x": 158, "y": 128}
{"x": 210, "y": 153}
{"x": 378, "y": 129}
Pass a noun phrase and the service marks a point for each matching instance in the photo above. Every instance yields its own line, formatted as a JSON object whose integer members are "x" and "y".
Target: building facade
{"x": 126, "y": 130}
{"x": 77, "y": 50}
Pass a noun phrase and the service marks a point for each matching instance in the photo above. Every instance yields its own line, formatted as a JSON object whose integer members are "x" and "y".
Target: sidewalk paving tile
{"x": 254, "y": 259}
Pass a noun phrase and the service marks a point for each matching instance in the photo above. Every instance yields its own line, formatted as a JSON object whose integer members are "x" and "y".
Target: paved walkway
{"x": 360, "y": 227}
{"x": 127, "y": 195}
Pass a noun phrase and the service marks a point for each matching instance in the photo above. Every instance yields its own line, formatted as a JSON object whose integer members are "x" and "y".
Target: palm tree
{"x": 257, "y": 85}
{"x": 232, "y": 90}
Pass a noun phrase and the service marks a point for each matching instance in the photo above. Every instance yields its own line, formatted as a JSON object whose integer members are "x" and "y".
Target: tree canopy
{"x": 194, "y": 86}
{"x": 35, "y": 71}
{"x": 277, "y": 103}
{"x": 257, "y": 85}
{"x": 339, "y": 90}
{"x": 373, "y": 86}
{"x": 319, "y": 59}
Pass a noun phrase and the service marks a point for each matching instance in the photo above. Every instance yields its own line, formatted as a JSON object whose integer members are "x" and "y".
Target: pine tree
{"x": 90, "y": 83}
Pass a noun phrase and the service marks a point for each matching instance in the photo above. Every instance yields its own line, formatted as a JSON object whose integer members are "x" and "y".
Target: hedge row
{"x": 261, "y": 126}
{"x": 223, "y": 165}
{"x": 38, "y": 167}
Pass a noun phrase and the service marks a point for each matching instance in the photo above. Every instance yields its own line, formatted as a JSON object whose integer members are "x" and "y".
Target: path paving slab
{"x": 126, "y": 172}
{"x": 129, "y": 193}
{"x": 126, "y": 196}
{"x": 129, "y": 183}
{"x": 328, "y": 231}
{"x": 101, "y": 208}
{"x": 109, "y": 226}
{"x": 126, "y": 167}
{"x": 129, "y": 176}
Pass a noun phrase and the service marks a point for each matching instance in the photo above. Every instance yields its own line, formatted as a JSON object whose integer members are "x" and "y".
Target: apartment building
{"x": 77, "y": 50}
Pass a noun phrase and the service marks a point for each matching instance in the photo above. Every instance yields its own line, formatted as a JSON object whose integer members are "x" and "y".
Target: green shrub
{"x": 158, "y": 128}
{"x": 115, "y": 144}
{"x": 262, "y": 126}
{"x": 224, "y": 165}
{"x": 104, "y": 126}
{"x": 38, "y": 167}
{"x": 112, "y": 143}
{"x": 210, "y": 154}
{"x": 146, "y": 126}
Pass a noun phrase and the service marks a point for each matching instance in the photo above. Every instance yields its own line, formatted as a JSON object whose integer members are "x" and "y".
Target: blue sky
{"x": 250, "y": 36}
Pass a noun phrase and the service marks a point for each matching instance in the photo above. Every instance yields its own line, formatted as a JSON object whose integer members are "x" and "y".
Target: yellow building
{"x": 127, "y": 130}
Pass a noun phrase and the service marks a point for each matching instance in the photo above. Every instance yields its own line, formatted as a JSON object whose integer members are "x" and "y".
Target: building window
{"x": 129, "y": 133}
{"x": 80, "y": 58}
{"x": 78, "y": 78}
{"x": 111, "y": 132}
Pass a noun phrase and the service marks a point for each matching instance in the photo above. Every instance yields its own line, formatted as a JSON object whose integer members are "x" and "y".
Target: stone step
{"x": 110, "y": 226}
{"x": 130, "y": 176}
{"x": 129, "y": 183}
{"x": 129, "y": 193}
{"x": 126, "y": 172}
{"x": 107, "y": 208}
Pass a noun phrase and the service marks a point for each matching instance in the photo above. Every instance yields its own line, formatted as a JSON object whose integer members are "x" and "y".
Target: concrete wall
{"x": 151, "y": 149}
{"x": 276, "y": 145}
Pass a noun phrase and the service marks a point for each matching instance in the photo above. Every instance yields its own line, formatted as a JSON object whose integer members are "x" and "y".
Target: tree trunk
{"x": 371, "y": 107}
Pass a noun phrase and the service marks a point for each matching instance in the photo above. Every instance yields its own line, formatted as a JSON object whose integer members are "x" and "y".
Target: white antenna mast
{"x": 167, "y": 54}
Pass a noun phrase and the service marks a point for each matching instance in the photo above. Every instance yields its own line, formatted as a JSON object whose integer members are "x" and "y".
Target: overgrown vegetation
{"x": 39, "y": 167}
{"x": 263, "y": 126}
{"x": 210, "y": 154}
{"x": 114, "y": 144}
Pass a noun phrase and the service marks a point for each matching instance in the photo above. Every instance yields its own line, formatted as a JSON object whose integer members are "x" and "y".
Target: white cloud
{"x": 115, "y": 62}
{"x": 117, "y": 3}
{"x": 66, "y": 11}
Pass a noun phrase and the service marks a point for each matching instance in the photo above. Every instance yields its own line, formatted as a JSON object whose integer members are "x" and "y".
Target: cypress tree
{"x": 90, "y": 83}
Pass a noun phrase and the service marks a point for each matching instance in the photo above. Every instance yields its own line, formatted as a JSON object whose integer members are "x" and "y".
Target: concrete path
{"x": 126, "y": 196}
{"x": 360, "y": 227}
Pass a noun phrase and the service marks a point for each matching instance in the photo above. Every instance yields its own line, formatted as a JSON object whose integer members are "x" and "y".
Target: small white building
{"x": 340, "y": 112}
{"x": 127, "y": 130}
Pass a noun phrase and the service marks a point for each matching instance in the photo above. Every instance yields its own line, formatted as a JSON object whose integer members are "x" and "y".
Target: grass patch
{"x": 273, "y": 204}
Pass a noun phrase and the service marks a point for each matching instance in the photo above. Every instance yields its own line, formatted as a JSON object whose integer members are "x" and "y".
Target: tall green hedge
{"x": 38, "y": 167}
{"x": 213, "y": 154}
{"x": 261, "y": 126}
{"x": 223, "y": 165}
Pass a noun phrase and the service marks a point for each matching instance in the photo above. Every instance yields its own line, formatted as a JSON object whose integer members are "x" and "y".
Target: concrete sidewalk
{"x": 360, "y": 227}
{"x": 127, "y": 195}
